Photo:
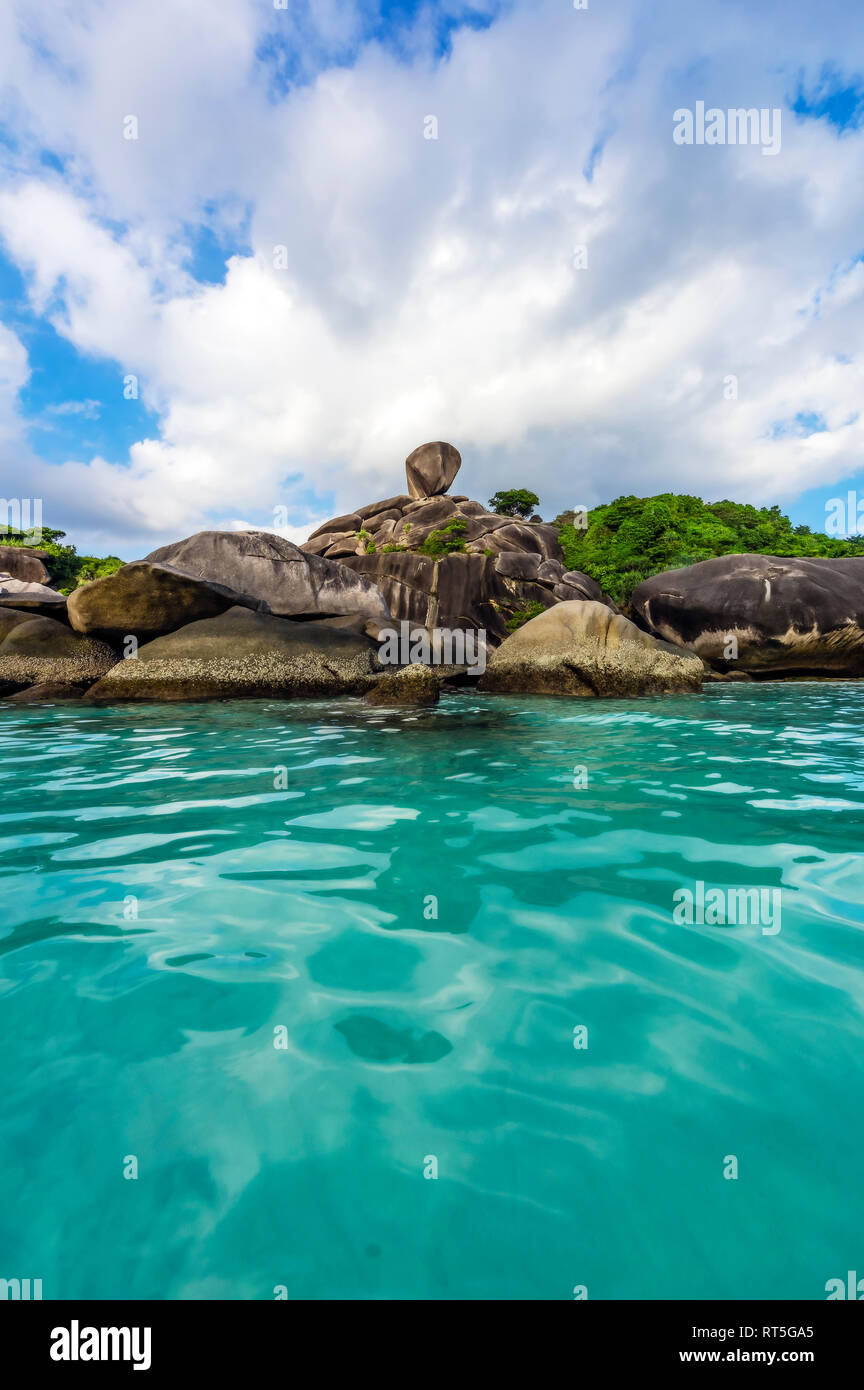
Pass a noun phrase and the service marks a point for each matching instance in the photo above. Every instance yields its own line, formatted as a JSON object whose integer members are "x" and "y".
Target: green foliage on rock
{"x": 630, "y": 539}
{"x": 446, "y": 541}
{"x": 91, "y": 567}
{"x": 524, "y": 615}
{"x": 67, "y": 568}
{"x": 514, "y": 501}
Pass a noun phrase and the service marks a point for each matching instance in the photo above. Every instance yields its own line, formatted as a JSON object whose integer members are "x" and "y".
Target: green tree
{"x": 514, "y": 501}
{"x": 632, "y": 538}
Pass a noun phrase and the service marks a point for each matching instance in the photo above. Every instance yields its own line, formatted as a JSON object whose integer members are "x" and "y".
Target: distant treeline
{"x": 630, "y": 539}
{"x": 619, "y": 543}
{"x": 67, "y": 568}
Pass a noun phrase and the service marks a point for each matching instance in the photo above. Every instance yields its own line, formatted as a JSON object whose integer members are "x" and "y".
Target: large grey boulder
{"x": 36, "y": 599}
{"x": 537, "y": 539}
{"x": 762, "y": 613}
{"x": 23, "y": 563}
{"x": 583, "y": 648}
{"x": 145, "y": 600}
{"x": 390, "y": 504}
{"x": 266, "y": 568}
{"x": 432, "y": 468}
{"x": 349, "y": 522}
{"x": 244, "y": 654}
{"x": 36, "y": 651}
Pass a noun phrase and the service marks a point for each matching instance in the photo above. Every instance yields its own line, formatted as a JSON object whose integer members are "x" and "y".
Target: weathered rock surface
{"x": 350, "y": 522}
{"x": 399, "y": 521}
{"x": 782, "y": 615}
{"x": 395, "y": 504}
{"x": 432, "y": 468}
{"x": 37, "y": 651}
{"x": 244, "y": 654}
{"x": 146, "y": 600}
{"x": 583, "y": 648}
{"x": 456, "y": 591}
{"x": 525, "y": 536}
{"x": 461, "y": 591}
{"x": 412, "y": 685}
{"x": 23, "y": 563}
{"x": 48, "y": 692}
{"x": 713, "y": 675}
{"x": 506, "y": 565}
{"x": 263, "y": 567}
{"x": 36, "y": 599}
{"x": 11, "y": 618}
{"x": 415, "y": 525}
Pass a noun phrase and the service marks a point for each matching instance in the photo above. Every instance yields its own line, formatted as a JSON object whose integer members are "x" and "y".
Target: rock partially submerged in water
{"x": 49, "y": 692}
{"x": 36, "y": 651}
{"x": 762, "y": 613}
{"x": 244, "y": 654}
{"x": 582, "y": 648}
{"x": 411, "y": 685}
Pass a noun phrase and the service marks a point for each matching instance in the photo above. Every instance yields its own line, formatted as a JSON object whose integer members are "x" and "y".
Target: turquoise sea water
{"x": 300, "y": 913}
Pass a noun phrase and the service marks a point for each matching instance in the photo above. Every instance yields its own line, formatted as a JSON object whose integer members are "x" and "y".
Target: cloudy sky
{"x": 238, "y": 275}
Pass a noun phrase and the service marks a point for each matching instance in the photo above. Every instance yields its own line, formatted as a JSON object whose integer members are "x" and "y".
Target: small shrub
{"x": 449, "y": 540}
{"x": 67, "y": 568}
{"x": 525, "y": 615}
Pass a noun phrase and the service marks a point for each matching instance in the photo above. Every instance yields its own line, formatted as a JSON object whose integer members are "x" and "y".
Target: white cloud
{"x": 87, "y": 410}
{"x": 14, "y": 375}
{"x": 431, "y": 290}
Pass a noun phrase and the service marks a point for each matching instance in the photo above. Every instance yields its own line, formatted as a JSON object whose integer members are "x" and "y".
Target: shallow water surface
{"x": 287, "y": 955}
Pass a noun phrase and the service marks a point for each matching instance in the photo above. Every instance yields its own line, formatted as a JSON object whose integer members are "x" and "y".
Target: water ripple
{"x": 289, "y": 955}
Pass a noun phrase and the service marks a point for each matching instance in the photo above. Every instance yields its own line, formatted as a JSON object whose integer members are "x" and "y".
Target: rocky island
{"x": 228, "y": 614}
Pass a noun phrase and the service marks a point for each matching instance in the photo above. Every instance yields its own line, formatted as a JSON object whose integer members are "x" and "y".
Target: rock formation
{"x": 224, "y": 614}
{"x": 35, "y": 651}
{"x": 49, "y": 692}
{"x": 244, "y": 654}
{"x": 273, "y": 572}
{"x": 762, "y": 613}
{"x": 20, "y": 562}
{"x": 431, "y": 469}
{"x": 583, "y": 648}
{"x": 411, "y": 685}
{"x": 447, "y": 561}
{"x": 36, "y": 598}
{"x": 146, "y": 600}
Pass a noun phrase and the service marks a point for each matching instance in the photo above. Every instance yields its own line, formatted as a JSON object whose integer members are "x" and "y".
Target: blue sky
{"x": 303, "y": 285}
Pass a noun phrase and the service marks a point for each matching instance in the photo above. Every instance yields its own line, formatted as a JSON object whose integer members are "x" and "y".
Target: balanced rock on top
{"x": 431, "y": 469}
